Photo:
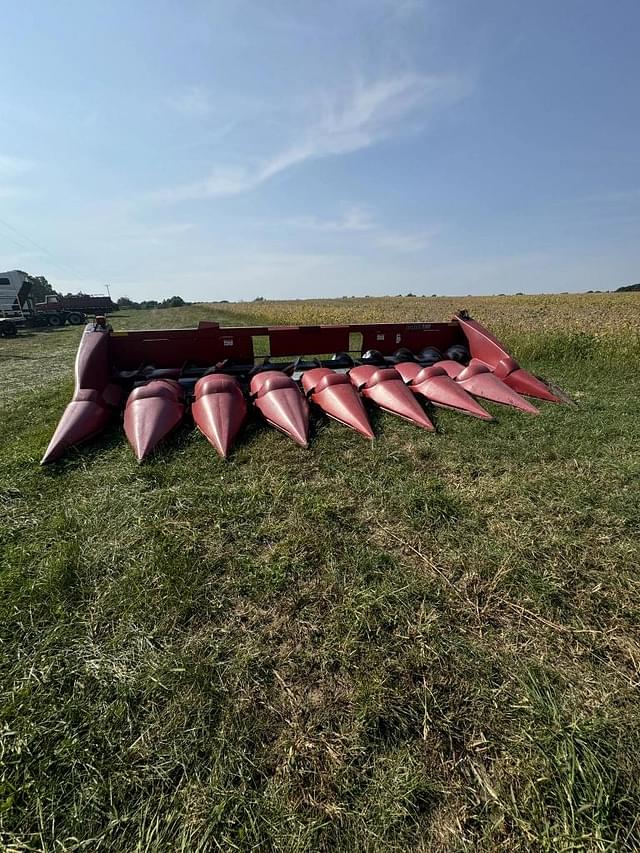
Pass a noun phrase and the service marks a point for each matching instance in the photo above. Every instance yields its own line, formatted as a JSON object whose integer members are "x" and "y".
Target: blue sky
{"x": 228, "y": 150}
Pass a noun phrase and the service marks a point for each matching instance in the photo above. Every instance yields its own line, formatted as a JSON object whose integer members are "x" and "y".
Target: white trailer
{"x": 14, "y": 292}
{"x": 17, "y": 309}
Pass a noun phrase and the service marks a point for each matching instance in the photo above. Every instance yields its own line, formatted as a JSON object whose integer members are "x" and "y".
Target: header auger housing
{"x": 157, "y": 376}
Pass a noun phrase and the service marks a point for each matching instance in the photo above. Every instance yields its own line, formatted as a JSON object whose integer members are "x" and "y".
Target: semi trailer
{"x": 17, "y": 308}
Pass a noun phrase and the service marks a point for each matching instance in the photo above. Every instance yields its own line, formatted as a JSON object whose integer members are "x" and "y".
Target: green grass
{"x": 429, "y": 642}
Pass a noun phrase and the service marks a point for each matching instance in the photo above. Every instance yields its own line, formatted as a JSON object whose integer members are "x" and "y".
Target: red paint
{"x": 279, "y": 400}
{"x": 81, "y": 420}
{"x": 335, "y": 395}
{"x": 486, "y": 348}
{"x": 152, "y": 411}
{"x": 95, "y": 398}
{"x": 437, "y": 386}
{"x": 108, "y": 363}
{"x": 219, "y": 410}
{"x": 384, "y": 387}
{"x": 478, "y": 380}
{"x": 522, "y": 381}
{"x": 210, "y": 343}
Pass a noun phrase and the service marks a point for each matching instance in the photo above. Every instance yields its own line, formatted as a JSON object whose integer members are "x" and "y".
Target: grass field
{"x": 427, "y": 643}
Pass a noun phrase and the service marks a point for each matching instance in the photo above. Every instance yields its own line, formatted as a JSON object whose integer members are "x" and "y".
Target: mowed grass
{"x": 429, "y": 642}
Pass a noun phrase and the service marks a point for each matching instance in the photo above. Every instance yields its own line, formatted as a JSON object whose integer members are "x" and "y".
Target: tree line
{"x": 172, "y": 302}
{"x": 40, "y": 288}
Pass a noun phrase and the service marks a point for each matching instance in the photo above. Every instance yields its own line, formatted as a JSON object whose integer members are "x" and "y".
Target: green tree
{"x": 173, "y": 302}
{"x": 40, "y": 287}
{"x": 125, "y": 302}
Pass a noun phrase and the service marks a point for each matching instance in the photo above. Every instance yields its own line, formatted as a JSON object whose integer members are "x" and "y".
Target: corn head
{"x": 156, "y": 378}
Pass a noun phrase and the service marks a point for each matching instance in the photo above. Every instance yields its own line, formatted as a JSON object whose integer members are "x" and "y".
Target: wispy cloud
{"x": 357, "y": 218}
{"x": 353, "y": 218}
{"x": 366, "y": 115}
{"x": 193, "y": 102}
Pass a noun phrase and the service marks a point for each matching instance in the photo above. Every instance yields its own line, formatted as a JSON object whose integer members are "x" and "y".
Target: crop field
{"x": 428, "y": 642}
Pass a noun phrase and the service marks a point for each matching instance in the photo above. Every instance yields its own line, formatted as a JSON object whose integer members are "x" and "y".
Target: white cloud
{"x": 353, "y": 218}
{"x": 356, "y": 219}
{"x": 366, "y": 115}
{"x": 372, "y": 111}
{"x": 193, "y": 102}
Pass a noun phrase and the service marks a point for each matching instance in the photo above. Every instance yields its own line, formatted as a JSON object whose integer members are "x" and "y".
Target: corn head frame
{"x": 157, "y": 376}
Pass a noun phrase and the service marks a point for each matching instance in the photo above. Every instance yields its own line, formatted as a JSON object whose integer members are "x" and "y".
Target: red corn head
{"x": 83, "y": 418}
{"x": 219, "y": 410}
{"x": 436, "y": 385}
{"x": 152, "y": 411}
{"x": 278, "y": 398}
{"x": 336, "y": 396}
{"x": 478, "y": 379}
{"x": 488, "y": 350}
{"x": 384, "y": 386}
{"x": 110, "y": 363}
{"x": 95, "y": 399}
{"x": 522, "y": 381}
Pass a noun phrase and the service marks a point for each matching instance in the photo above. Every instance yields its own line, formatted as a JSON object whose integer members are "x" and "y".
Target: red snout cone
{"x": 335, "y": 395}
{"x": 278, "y": 398}
{"x": 219, "y": 410}
{"x": 384, "y": 386}
{"x": 152, "y": 411}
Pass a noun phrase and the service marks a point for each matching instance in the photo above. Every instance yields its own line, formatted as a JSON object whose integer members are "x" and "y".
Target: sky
{"x": 296, "y": 148}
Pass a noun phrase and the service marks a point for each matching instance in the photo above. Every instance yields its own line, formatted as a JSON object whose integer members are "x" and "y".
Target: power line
{"x": 16, "y": 243}
{"x": 58, "y": 263}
